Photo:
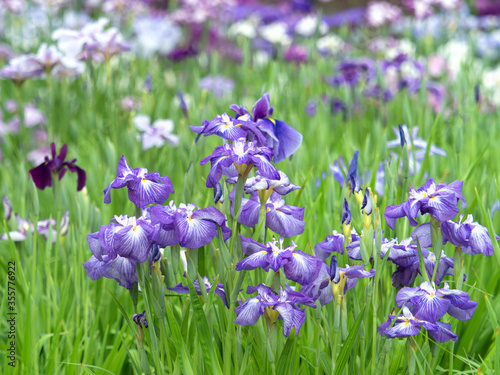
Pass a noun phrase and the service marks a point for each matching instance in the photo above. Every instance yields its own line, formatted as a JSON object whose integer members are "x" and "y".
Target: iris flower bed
{"x": 252, "y": 187}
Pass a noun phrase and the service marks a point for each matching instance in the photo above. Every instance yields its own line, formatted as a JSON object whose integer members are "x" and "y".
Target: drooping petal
{"x": 392, "y": 213}
{"x": 257, "y": 259}
{"x": 402, "y": 329}
{"x": 443, "y": 333}
{"x": 292, "y": 317}
{"x": 249, "y": 312}
{"x": 283, "y": 224}
{"x": 194, "y": 233}
{"x": 132, "y": 242}
{"x": 120, "y": 269}
{"x": 146, "y": 191}
{"x": 302, "y": 268}
{"x": 41, "y": 175}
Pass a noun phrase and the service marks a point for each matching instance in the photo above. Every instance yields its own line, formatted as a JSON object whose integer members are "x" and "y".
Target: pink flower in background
{"x": 296, "y": 53}
{"x": 436, "y": 65}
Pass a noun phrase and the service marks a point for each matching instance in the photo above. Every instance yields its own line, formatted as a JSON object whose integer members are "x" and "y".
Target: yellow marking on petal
{"x": 135, "y": 228}
{"x": 263, "y": 252}
{"x": 272, "y": 120}
{"x": 143, "y": 180}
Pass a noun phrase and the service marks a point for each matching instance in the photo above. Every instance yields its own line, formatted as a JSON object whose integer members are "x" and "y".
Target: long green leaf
{"x": 346, "y": 350}
{"x": 203, "y": 329}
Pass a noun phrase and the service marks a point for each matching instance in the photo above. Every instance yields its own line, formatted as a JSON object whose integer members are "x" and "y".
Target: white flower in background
{"x": 261, "y": 59}
{"x": 381, "y": 12}
{"x": 456, "y": 53}
{"x": 330, "y": 44}
{"x": 307, "y": 26}
{"x": 155, "y": 34}
{"x": 157, "y": 134}
{"x": 491, "y": 85}
{"x": 404, "y": 46}
{"x": 276, "y": 33}
{"x": 247, "y": 28}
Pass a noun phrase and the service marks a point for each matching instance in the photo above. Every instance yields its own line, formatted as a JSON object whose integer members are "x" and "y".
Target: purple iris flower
{"x": 352, "y": 181}
{"x": 120, "y": 269}
{"x": 471, "y": 236}
{"x": 42, "y": 175}
{"x": 297, "y": 265}
{"x": 354, "y": 248}
{"x": 438, "y": 200}
{"x": 333, "y": 243}
{"x": 407, "y": 325}
{"x": 346, "y": 213}
{"x": 311, "y": 107}
{"x": 405, "y": 256}
{"x": 219, "y": 86}
{"x": 230, "y": 129}
{"x": 282, "y": 138}
{"x": 285, "y": 220}
{"x": 431, "y": 304}
{"x": 140, "y": 319}
{"x": 282, "y": 186}
{"x": 321, "y": 288}
{"x": 126, "y": 237}
{"x": 186, "y": 225}
{"x": 143, "y": 188}
{"x": 284, "y": 307}
{"x": 353, "y": 71}
{"x": 219, "y": 289}
{"x": 244, "y": 155}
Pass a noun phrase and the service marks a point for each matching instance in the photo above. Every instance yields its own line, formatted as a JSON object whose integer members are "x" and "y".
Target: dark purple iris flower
{"x": 243, "y": 155}
{"x": 126, "y": 237}
{"x": 122, "y": 270}
{"x": 42, "y": 175}
{"x": 431, "y": 304}
{"x": 297, "y": 265}
{"x": 438, "y": 200}
{"x": 186, "y": 225}
{"x": 219, "y": 289}
{"x": 284, "y": 307}
{"x": 143, "y": 188}
{"x": 407, "y": 325}
{"x": 285, "y": 220}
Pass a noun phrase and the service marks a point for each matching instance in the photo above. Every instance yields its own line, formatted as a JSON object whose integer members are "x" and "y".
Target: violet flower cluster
{"x": 118, "y": 246}
{"x": 423, "y": 306}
